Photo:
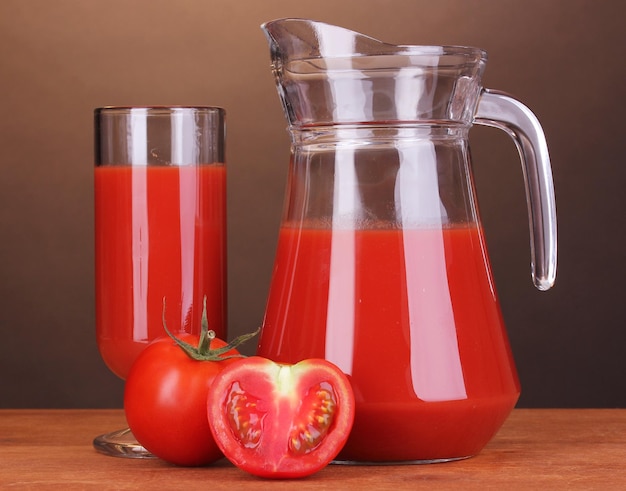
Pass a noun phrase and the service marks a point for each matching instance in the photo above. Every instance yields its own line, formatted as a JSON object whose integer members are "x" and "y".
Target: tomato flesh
{"x": 318, "y": 411}
{"x": 281, "y": 421}
{"x": 244, "y": 419}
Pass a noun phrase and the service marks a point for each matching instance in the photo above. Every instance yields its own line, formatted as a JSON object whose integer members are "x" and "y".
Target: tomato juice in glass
{"x": 412, "y": 317}
{"x": 160, "y": 234}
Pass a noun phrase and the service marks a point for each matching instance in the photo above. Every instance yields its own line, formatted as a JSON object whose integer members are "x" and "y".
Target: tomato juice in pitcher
{"x": 408, "y": 325}
{"x": 381, "y": 264}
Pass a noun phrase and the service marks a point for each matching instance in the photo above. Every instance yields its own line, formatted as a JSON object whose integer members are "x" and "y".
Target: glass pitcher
{"x": 381, "y": 264}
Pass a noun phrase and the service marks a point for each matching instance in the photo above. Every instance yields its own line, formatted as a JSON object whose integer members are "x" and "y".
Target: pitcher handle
{"x": 502, "y": 111}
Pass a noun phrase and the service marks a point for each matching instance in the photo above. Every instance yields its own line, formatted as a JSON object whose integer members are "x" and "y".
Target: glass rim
{"x": 123, "y": 109}
{"x": 442, "y": 50}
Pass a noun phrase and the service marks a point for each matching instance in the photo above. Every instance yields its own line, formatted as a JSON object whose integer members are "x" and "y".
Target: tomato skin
{"x": 281, "y": 421}
{"x": 165, "y": 402}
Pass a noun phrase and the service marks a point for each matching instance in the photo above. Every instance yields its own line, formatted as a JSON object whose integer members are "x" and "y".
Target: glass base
{"x": 399, "y": 462}
{"x": 121, "y": 443}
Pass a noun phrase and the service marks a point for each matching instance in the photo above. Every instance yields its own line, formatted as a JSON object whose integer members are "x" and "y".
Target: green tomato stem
{"x": 204, "y": 352}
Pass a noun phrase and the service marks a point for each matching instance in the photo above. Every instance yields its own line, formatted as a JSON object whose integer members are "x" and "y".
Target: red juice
{"x": 413, "y": 319}
{"x": 160, "y": 233}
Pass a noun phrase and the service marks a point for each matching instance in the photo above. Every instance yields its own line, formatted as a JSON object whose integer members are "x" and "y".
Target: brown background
{"x": 60, "y": 59}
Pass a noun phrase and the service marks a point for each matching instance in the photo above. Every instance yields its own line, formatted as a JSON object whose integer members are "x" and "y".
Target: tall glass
{"x": 160, "y": 233}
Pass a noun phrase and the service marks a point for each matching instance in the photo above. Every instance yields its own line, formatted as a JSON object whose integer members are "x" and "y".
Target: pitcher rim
{"x": 479, "y": 54}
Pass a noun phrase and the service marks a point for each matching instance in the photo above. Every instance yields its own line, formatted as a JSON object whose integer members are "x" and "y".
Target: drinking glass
{"x": 160, "y": 233}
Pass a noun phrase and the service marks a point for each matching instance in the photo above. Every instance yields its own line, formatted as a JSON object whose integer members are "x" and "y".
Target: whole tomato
{"x": 280, "y": 421}
{"x": 166, "y": 392}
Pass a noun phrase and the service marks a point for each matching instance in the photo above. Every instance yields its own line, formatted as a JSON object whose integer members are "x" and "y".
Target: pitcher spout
{"x": 328, "y": 75}
{"x": 304, "y": 39}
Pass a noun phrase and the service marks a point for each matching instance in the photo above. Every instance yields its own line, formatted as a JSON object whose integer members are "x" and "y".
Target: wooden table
{"x": 537, "y": 449}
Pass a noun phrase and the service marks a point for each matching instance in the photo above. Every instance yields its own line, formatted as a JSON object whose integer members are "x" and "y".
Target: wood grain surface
{"x": 541, "y": 449}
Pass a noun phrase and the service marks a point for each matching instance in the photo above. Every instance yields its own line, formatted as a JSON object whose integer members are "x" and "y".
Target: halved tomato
{"x": 280, "y": 421}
